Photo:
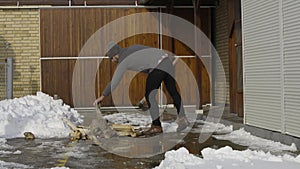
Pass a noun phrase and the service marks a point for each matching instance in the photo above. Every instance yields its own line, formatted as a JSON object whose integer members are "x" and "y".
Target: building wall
{"x": 221, "y": 39}
{"x": 76, "y": 27}
{"x": 271, "y": 50}
{"x": 20, "y": 28}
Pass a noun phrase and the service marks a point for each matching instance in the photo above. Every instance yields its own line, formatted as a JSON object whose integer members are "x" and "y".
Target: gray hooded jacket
{"x": 137, "y": 58}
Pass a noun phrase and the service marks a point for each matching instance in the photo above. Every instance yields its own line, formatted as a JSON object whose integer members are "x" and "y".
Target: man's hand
{"x": 99, "y": 100}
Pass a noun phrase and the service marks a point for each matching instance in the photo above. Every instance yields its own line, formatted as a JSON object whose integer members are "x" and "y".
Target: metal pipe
{"x": 73, "y": 58}
{"x": 97, "y": 57}
{"x": 9, "y": 89}
{"x": 161, "y": 47}
{"x": 121, "y": 108}
{"x": 213, "y": 58}
{"x": 102, "y": 6}
{"x": 96, "y": 6}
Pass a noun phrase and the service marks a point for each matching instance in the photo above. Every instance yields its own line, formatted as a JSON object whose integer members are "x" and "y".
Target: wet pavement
{"x": 48, "y": 153}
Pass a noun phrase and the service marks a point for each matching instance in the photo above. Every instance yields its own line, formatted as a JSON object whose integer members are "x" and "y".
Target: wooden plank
{"x": 188, "y": 79}
{"x": 137, "y": 84}
{"x": 46, "y": 78}
{"x": 103, "y": 78}
{"x": 56, "y": 79}
{"x": 45, "y": 27}
{"x": 235, "y": 72}
{"x": 232, "y": 74}
{"x": 195, "y": 65}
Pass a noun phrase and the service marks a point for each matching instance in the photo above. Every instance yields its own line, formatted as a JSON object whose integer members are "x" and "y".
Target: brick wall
{"x": 20, "y": 28}
{"x": 222, "y": 41}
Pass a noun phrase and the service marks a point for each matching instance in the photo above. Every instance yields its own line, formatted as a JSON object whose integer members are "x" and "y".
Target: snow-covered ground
{"x": 244, "y": 138}
{"x": 39, "y": 114}
{"x": 139, "y": 121}
{"x": 227, "y": 158}
{"x": 42, "y": 115}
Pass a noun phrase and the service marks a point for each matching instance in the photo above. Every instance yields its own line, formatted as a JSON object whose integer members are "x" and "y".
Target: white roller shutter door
{"x": 291, "y": 47}
{"x": 271, "y": 53}
{"x": 262, "y": 73}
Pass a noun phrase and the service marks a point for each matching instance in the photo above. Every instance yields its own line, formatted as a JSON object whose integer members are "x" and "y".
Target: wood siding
{"x": 235, "y": 57}
{"x": 64, "y": 32}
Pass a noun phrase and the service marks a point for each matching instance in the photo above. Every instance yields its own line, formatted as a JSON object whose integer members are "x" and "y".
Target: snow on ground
{"x": 257, "y": 156}
{"x": 220, "y": 132}
{"x": 3, "y": 144}
{"x": 7, "y": 165}
{"x": 134, "y": 119}
{"x": 244, "y": 138}
{"x": 40, "y": 114}
{"x": 138, "y": 120}
{"x": 227, "y": 158}
{"x": 141, "y": 121}
{"x": 6, "y": 149}
{"x": 210, "y": 127}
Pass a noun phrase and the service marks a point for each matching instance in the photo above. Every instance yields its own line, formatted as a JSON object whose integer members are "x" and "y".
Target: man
{"x": 159, "y": 68}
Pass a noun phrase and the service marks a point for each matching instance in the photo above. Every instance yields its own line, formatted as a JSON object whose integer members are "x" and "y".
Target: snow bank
{"x": 244, "y": 138}
{"x": 180, "y": 159}
{"x": 227, "y": 158}
{"x": 40, "y": 114}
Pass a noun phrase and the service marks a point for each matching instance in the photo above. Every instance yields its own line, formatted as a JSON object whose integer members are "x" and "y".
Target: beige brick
{"x": 10, "y": 16}
{"x": 20, "y": 27}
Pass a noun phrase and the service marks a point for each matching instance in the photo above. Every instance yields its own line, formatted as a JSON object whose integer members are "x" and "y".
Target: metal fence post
{"x": 9, "y": 80}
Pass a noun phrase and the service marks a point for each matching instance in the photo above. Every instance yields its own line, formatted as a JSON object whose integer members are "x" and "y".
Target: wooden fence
{"x": 64, "y": 32}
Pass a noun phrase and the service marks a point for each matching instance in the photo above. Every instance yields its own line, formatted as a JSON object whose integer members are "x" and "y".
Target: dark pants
{"x": 163, "y": 73}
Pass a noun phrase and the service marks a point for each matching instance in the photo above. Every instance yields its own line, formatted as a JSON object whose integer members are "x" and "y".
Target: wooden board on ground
{"x": 100, "y": 128}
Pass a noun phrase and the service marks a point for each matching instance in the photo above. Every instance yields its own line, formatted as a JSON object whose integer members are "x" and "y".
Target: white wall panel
{"x": 291, "y": 48}
{"x": 262, "y": 62}
{"x": 271, "y": 51}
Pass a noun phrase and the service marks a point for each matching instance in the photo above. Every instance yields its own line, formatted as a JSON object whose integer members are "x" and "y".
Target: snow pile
{"x": 227, "y": 158}
{"x": 243, "y": 156}
{"x": 40, "y": 114}
{"x": 180, "y": 159}
{"x": 170, "y": 127}
{"x": 134, "y": 119}
{"x": 244, "y": 138}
